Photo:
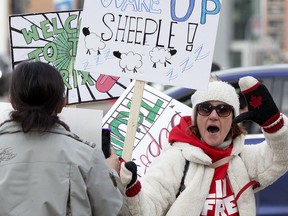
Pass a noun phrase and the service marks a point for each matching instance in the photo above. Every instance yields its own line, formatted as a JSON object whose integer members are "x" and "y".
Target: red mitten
{"x": 261, "y": 106}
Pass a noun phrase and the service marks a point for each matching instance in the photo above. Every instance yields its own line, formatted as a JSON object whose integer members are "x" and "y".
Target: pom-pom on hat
{"x": 217, "y": 91}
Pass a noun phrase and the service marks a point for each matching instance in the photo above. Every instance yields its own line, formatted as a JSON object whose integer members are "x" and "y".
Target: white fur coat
{"x": 264, "y": 162}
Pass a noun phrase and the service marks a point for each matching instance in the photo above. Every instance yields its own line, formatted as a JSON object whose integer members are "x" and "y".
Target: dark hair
{"x": 36, "y": 91}
{"x": 215, "y": 67}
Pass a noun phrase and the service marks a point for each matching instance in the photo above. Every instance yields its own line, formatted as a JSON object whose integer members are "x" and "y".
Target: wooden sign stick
{"x": 133, "y": 120}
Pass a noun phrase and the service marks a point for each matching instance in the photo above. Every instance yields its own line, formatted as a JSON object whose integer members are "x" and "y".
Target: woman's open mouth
{"x": 213, "y": 129}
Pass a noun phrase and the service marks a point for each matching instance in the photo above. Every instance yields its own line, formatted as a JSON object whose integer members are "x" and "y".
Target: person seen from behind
{"x": 207, "y": 170}
{"x": 44, "y": 168}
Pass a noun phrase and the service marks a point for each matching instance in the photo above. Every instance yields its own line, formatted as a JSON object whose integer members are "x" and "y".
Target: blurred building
{"x": 249, "y": 32}
{"x": 260, "y": 32}
{"x": 275, "y": 24}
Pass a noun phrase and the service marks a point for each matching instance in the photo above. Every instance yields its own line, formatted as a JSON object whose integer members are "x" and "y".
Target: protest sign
{"x": 168, "y": 42}
{"x": 52, "y": 37}
{"x": 76, "y": 118}
{"x": 159, "y": 113}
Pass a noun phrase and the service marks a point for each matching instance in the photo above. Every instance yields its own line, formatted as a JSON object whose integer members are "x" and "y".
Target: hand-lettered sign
{"x": 52, "y": 37}
{"x": 159, "y": 113}
{"x": 163, "y": 41}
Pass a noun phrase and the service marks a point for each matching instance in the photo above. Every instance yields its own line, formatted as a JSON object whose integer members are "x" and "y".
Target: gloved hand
{"x": 128, "y": 175}
{"x": 261, "y": 106}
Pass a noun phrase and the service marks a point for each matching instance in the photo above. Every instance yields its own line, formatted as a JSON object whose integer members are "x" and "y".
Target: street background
{"x": 250, "y": 33}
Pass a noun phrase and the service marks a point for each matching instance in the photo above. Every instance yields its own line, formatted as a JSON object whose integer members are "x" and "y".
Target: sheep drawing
{"x": 130, "y": 61}
{"x": 161, "y": 55}
{"x": 92, "y": 41}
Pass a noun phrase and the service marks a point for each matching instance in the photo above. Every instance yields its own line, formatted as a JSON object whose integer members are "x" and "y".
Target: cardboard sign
{"x": 86, "y": 123}
{"x": 53, "y": 37}
{"x": 168, "y": 42}
{"x": 159, "y": 113}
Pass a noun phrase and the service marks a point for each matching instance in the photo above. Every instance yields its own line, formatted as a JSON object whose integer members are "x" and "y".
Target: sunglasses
{"x": 205, "y": 109}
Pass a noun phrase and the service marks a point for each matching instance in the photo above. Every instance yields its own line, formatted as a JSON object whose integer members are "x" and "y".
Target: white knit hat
{"x": 217, "y": 91}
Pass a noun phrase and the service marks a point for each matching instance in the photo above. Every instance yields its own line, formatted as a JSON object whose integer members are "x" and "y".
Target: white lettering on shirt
{"x": 220, "y": 202}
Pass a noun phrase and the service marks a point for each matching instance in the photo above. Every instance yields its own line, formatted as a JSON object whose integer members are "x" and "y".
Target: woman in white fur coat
{"x": 208, "y": 170}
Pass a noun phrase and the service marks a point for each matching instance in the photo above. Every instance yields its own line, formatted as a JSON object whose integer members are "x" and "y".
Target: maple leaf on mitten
{"x": 261, "y": 106}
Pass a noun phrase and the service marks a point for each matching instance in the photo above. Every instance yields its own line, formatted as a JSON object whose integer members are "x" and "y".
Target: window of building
{"x": 241, "y": 18}
{"x": 236, "y": 59}
{"x": 275, "y": 9}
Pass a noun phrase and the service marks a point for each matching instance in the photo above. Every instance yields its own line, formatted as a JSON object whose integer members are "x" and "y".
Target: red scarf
{"x": 181, "y": 133}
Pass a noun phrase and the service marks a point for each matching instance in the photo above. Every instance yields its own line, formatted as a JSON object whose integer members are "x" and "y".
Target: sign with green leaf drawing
{"x": 53, "y": 37}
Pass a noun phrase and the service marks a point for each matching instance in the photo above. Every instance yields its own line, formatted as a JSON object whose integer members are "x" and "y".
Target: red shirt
{"x": 220, "y": 199}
